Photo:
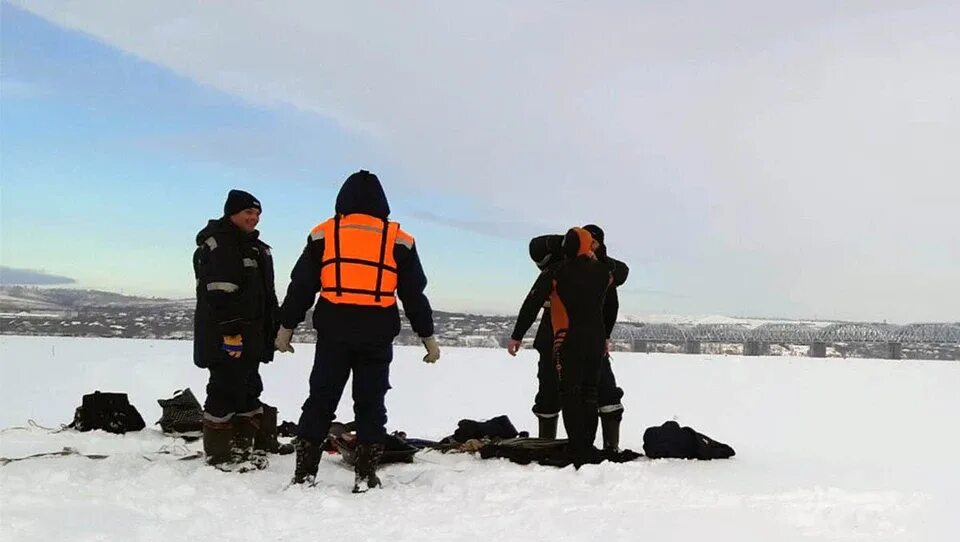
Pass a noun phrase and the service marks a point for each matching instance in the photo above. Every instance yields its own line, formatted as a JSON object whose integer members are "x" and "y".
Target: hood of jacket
{"x": 362, "y": 193}
{"x": 224, "y": 226}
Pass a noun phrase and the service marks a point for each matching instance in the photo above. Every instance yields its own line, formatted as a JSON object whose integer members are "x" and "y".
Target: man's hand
{"x": 606, "y": 347}
{"x": 233, "y": 345}
{"x": 433, "y": 349}
{"x": 513, "y": 347}
{"x": 282, "y": 342}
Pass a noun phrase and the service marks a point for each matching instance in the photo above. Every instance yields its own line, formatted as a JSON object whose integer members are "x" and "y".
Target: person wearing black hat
{"x": 576, "y": 288}
{"x": 546, "y": 250}
{"x": 235, "y": 325}
{"x": 361, "y": 263}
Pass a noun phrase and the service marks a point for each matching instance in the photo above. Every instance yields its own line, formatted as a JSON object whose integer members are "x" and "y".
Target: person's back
{"x": 580, "y": 290}
{"x": 360, "y": 262}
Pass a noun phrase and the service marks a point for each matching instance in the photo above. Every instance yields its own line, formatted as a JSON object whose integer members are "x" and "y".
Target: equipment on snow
{"x": 182, "y": 415}
{"x": 498, "y": 427}
{"x": 111, "y": 412}
{"x": 671, "y": 440}
{"x": 549, "y": 452}
{"x": 395, "y": 447}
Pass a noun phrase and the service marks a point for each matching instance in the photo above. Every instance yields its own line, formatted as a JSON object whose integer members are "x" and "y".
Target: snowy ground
{"x": 826, "y": 450}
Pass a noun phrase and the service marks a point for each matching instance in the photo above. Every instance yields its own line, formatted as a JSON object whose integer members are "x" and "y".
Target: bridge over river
{"x": 756, "y": 339}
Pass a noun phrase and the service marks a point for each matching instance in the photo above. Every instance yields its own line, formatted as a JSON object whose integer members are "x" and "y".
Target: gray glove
{"x": 433, "y": 349}
{"x": 282, "y": 342}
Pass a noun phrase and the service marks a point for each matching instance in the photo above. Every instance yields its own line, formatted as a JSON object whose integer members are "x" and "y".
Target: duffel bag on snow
{"x": 111, "y": 412}
{"x": 671, "y": 440}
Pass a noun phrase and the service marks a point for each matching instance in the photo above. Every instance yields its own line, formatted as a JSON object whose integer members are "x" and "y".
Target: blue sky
{"x": 111, "y": 164}
{"x": 745, "y": 158}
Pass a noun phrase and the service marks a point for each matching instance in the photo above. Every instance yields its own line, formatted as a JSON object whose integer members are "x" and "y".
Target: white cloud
{"x": 755, "y": 156}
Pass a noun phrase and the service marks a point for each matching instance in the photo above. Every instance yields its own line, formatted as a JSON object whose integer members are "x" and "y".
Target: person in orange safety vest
{"x": 360, "y": 262}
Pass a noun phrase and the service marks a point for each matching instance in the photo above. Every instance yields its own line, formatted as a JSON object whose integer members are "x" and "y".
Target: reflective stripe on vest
{"x": 358, "y": 266}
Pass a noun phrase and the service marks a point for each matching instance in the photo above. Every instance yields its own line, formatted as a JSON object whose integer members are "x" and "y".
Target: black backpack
{"x": 111, "y": 412}
{"x": 671, "y": 440}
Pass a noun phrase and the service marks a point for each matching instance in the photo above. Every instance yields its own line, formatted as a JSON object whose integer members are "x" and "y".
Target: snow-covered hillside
{"x": 826, "y": 450}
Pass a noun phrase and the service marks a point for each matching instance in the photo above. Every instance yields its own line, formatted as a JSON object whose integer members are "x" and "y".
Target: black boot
{"x": 308, "y": 461}
{"x": 577, "y": 415}
{"x": 548, "y": 427}
{"x": 368, "y": 459}
{"x": 243, "y": 454}
{"x": 217, "y": 441}
{"x": 610, "y": 426}
{"x": 266, "y": 438}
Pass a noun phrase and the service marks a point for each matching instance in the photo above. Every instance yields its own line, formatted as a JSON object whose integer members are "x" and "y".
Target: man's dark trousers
{"x": 332, "y": 365}
{"x": 547, "y": 402}
{"x": 234, "y": 388}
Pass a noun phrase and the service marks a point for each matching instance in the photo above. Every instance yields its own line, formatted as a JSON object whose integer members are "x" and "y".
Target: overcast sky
{"x": 752, "y": 158}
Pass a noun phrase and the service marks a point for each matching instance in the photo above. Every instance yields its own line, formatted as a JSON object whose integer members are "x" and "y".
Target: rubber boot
{"x": 217, "y": 441}
{"x": 610, "y": 427}
{"x": 266, "y": 438}
{"x": 548, "y": 427}
{"x": 368, "y": 459}
{"x": 244, "y": 432}
{"x": 572, "y": 403}
{"x": 308, "y": 461}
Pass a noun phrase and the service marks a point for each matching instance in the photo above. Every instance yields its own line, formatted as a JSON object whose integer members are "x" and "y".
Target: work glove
{"x": 233, "y": 345}
{"x": 433, "y": 349}
{"x": 282, "y": 342}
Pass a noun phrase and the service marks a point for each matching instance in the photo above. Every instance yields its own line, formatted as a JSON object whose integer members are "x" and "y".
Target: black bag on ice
{"x": 111, "y": 412}
{"x": 671, "y": 440}
{"x": 181, "y": 413}
{"x": 498, "y": 427}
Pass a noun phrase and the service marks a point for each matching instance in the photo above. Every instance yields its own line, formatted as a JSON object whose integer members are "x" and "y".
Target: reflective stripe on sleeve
{"x": 228, "y": 287}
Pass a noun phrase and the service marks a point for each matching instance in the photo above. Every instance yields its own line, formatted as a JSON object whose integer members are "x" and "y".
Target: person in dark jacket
{"x": 360, "y": 262}
{"x": 546, "y": 250}
{"x": 576, "y": 288}
{"x": 235, "y": 325}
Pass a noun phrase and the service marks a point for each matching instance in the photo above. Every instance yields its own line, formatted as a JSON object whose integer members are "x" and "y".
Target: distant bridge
{"x": 756, "y": 339}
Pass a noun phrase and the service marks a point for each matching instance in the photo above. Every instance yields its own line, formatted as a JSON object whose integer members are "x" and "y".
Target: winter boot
{"x": 217, "y": 441}
{"x": 368, "y": 459}
{"x": 266, "y": 438}
{"x": 610, "y": 426}
{"x": 548, "y": 426}
{"x": 308, "y": 461}
{"x": 243, "y": 455}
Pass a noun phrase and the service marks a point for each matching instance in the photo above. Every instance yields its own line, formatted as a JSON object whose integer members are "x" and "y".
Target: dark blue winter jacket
{"x": 361, "y": 193}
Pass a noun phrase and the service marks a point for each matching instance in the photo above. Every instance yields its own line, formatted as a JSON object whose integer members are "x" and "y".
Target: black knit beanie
{"x": 595, "y": 231}
{"x": 238, "y": 200}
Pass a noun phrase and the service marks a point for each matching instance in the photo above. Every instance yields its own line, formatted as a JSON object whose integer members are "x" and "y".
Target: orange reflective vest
{"x": 358, "y": 266}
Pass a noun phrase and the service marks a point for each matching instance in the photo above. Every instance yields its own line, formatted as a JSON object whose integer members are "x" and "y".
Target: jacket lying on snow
{"x": 547, "y": 452}
{"x": 671, "y": 440}
{"x": 235, "y": 294}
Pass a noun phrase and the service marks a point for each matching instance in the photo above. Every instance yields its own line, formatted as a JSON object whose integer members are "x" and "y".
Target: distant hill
{"x": 28, "y": 298}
